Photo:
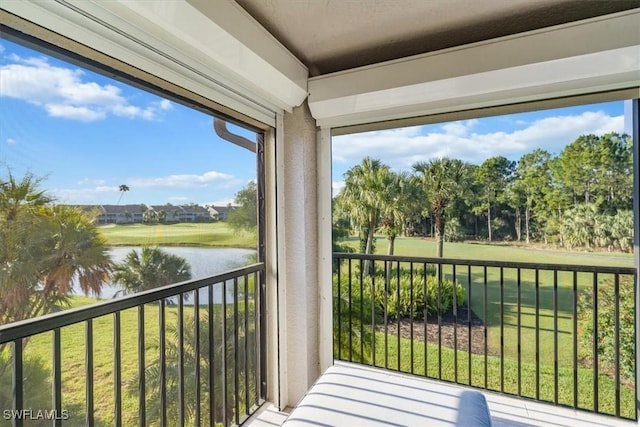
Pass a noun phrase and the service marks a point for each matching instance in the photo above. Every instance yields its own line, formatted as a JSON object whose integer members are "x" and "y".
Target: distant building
{"x": 121, "y": 214}
{"x": 136, "y": 214}
{"x": 181, "y": 213}
{"x": 167, "y": 213}
{"x": 221, "y": 213}
{"x": 194, "y": 213}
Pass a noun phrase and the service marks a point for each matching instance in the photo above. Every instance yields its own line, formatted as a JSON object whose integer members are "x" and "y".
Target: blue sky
{"x": 476, "y": 140}
{"x": 87, "y": 134}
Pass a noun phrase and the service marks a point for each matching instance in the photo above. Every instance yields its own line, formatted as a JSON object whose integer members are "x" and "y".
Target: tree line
{"x": 579, "y": 198}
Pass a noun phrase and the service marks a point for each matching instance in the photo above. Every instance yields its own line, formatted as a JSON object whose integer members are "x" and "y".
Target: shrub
{"x": 606, "y": 326}
{"x": 405, "y": 307}
{"x": 453, "y": 231}
{"x": 348, "y": 318}
{"x": 37, "y": 384}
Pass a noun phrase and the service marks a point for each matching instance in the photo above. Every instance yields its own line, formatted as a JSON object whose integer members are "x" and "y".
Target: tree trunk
{"x": 369, "y": 248}
{"x": 518, "y": 225}
{"x": 587, "y": 193}
{"x": 489, "y": 220}
{"x": 526, "y": 222}
{"x": 391, "y": 246}
{"x": 440, "y": 235}
{"x": 432, "y": 226}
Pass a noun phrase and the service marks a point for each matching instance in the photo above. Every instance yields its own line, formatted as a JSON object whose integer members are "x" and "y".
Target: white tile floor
{"x": 355, "y": 395}
{"x": 267, "y": 416}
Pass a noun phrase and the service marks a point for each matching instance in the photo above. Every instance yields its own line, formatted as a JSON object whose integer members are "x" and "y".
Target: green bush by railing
{"x": 410, "y": 300}
{"x": 607, "y": 299}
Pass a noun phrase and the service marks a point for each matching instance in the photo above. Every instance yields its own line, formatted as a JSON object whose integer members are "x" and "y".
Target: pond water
{"x": 205, "y": 262}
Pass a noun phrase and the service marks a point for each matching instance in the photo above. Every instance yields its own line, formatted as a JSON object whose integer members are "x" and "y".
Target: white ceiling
{"x": 334, "y": 35}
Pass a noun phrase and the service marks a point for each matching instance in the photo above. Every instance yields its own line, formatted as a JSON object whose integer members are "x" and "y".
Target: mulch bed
{"x": 445, "y": 330}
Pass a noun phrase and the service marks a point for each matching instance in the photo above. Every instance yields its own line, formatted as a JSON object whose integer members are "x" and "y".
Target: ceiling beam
{"x": 599, "y": 54}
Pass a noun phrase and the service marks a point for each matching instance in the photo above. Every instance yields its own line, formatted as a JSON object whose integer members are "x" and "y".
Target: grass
{"x": 504, "y": 328}
{"x": 73, "y": 363}
{"x": 215, "y": 234}
{"x": 412, "y": 246}
{"x": 73, "y": 345}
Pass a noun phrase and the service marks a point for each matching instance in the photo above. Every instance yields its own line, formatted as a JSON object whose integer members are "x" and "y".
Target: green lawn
{"x": 412, "y": 246}
{"x": 73, "y": 363}
{"x": 217, "y": 234}
{"x": 545, "y": 293}
{"x": 73, "y": 345}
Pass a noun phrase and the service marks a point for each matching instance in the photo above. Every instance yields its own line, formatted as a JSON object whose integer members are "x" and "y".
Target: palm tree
{"x": 397, "y": 207}
{"x": 81, "y": 253}
{"x": 622, "y": 230}
{"x": 150, "y": 216}
{"x": 122, "y": 188}
{"x": 578, "y": 225}
{"x": 62, "y": 246}
{"x": 162, "y": 216}
{"x": 43, "y": 251}
{"x": 192, "y": 358}
{"x": 364, "y": 195}
{"x": 21, "y": 194}
{"x": 443, "y": 181}
{"x": 150, "y": 268}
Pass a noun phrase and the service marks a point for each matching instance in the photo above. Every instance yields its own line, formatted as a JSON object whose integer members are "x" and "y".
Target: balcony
{"x": 513, "y": 331}
{"x": 216, "y": 355}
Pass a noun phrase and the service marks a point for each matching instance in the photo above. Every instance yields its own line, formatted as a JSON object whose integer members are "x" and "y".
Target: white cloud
{"x": 64, "y": 92}
{"x": 401, "y": 148}
{"x": 90, "y": 181}
{"x": 84, "y": 114}
{"x": 455, "y": 128}
{"x": 184, "y": 180}
{"x": 11, "y": 141}
{"x": 165, "y": 105}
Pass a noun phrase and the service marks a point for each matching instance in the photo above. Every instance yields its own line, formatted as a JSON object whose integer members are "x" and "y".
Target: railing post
{"x": 17, "y": 381}
{"x": 56, "y": 371}
{"x": 632, "y": 118}
{"x": 262, "y": 255}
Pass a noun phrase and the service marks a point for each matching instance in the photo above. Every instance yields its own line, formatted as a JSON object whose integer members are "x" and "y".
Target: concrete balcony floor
{"x": 348, "y": 394}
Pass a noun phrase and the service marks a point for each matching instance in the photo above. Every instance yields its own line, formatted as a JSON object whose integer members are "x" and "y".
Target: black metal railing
{"x": 188, "y": 353}
{"x": 563, "y": 334}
